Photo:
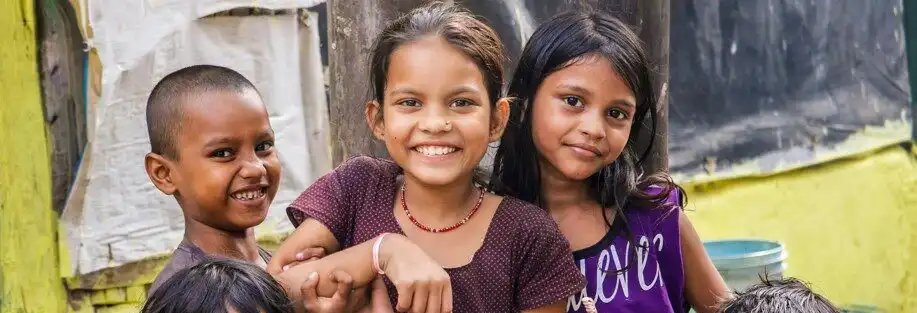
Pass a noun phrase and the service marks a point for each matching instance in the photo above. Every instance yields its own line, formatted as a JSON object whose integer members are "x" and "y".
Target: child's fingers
{"x": 421, "y": 294}
{"x": 405, "y": 296}
{"x": 447, "y": 298}
{"x": 310, "y": 253}
{"x": 345, "y": 285}
{"x": 281, "y": 261}
{"x": 379, "y": 300}
{"x": 435, "y": 300}
{"x": 277, "y": 264}
{"x": 310, "y": 296}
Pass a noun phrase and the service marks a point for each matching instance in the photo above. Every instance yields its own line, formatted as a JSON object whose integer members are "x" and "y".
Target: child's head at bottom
{"x": 219, "y": 286}
{"x": 788, "y": 295}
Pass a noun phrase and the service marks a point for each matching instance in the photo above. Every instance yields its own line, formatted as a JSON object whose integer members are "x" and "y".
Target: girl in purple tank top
{"x": 583, "y": 89}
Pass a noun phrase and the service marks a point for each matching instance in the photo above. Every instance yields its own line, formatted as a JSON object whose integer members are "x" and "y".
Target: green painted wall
{"x": 850, "y": 225}
{"x": 29, "y": 277}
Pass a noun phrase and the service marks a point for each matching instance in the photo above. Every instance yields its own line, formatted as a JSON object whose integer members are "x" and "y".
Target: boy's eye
{"x": 264, "y": 146}
{"x": 410, "y": 103}
{"x": 573, "y": 101}
{"x": 461, "y": 103}
{"x": 617, "y": 114}
{"x": 221, "y": 153}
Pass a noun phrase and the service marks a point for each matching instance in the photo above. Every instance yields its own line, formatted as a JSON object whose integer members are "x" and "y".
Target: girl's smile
{"x": 436, "y": 115}
{"x": 437, "y": 151}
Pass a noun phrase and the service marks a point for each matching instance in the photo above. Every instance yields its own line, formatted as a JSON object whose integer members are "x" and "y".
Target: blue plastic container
{"x": 742, "y": 263}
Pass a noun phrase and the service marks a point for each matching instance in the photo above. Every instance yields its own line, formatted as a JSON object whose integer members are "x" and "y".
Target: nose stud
{"x": 448, "y": 126}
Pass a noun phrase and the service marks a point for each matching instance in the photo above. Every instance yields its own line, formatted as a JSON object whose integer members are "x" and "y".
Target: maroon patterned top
{"x": 524, "y": 263}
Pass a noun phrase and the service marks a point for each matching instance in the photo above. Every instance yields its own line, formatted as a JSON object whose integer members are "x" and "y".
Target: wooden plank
{"x": 62, "y": 73}
{"x": 352, "y": 27}
{"x": 121, "y": 308}
{"x": 136, "y": 294}
{"x": 910, "y": 43}
{"x": 650, "y": 19}
{"x": 79, "y": 302}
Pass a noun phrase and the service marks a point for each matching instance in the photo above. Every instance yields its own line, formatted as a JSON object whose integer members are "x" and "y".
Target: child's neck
{"x": 562, "y": 194}
{"x": 213, "y": 241}
{"x": 444, "y": 204}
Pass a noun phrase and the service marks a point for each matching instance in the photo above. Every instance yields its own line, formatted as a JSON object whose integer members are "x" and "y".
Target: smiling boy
{"x": 212, "y": 148}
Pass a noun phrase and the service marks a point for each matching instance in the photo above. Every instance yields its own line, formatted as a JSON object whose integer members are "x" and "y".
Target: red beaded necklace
{"x": 445, "y": 229}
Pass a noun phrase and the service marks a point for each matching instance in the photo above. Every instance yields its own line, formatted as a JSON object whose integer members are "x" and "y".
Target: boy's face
{"x": 227, "y": 171}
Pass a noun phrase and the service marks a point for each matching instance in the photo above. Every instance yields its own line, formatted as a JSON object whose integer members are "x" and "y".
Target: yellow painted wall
{"x": 29, "y": 280}
{"x": 850, "y": 225}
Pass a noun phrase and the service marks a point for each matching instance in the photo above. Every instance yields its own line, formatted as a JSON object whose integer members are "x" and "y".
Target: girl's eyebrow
{"x": 464, "y": 88}
{"x": 576, "y": 88}
{"x": 460, "y": 89}
{"x": 624, "y": 102}
{"x": 403, "y": 89}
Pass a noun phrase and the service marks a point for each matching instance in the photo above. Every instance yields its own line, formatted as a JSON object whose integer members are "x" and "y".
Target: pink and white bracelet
{"x": 376, "y": 247}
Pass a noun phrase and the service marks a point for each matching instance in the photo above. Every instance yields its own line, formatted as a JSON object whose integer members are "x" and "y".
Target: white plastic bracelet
{"x": 376, "y": 247}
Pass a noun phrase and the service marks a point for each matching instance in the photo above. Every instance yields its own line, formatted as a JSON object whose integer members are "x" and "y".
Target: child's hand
{"x": 345, "y": 299}
{"x": 379, "y": 301}
{"x": 311, "y": 239}
{"x": 278, "y": 264}
{"x": 423, "y": 285}
{"x": 307, "y": 255}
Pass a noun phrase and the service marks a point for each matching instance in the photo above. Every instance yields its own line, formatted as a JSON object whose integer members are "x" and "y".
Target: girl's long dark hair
{"x": 560, "y": 41}
{"x": 215, "y": 285}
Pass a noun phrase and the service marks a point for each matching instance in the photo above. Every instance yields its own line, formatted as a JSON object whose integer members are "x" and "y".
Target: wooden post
{"x": 910, "y": 42}
{"x": 651, "y": 20}
{"x": 62, "y": 69}
{"x": 352, "y": 27}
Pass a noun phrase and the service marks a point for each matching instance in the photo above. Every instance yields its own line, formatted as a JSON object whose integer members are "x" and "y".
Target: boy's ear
{"x": 159, "y": 169}
{"x": 500, "y": 118}
{"x": 374, "y": 120}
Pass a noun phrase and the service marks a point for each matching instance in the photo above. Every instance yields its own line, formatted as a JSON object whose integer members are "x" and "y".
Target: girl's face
{"x": 437, "y": 119}
{"x": 581, "y": 118}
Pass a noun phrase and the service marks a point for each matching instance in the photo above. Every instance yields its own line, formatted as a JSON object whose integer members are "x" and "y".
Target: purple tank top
{"x": 652, "y": 280}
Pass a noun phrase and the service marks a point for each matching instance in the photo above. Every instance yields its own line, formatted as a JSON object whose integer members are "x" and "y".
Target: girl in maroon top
{"x": 451, "y": 245}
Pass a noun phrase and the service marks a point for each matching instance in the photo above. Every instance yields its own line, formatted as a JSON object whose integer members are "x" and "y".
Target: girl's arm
{"x": 559, "y": 307}
{"x": 704, "y": 286}
{"x": 324, "y": 213}
{"x": 309, "y": 235}
{"x": 418, "y": 279}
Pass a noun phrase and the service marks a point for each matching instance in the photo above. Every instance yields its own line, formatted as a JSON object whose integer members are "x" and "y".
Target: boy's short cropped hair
{"x": 165, "y": 105}
{"x": 218, "y": 285}
{"x": 788, "y": 295}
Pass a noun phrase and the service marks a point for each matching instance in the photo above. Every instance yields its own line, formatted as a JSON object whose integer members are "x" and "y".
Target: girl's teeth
{"x": 435, "y": 151}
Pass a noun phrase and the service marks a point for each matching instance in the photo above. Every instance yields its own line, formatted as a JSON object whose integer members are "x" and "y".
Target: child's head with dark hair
{"x": 436, "y": 77}
{"x": 212, "y": 147}
{"x": 453, "y": 24}
{"x": 219, "y": 286}
{"x": 788, "y": 295}
{"x": 583, "y": 93}
{"x": 167, "y": 102}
